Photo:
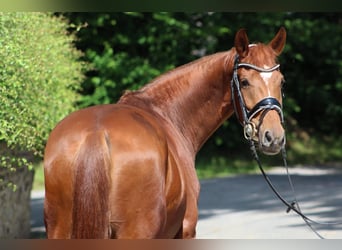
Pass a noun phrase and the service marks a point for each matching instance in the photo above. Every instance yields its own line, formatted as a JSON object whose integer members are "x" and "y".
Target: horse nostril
{"x": 268, "y": 137}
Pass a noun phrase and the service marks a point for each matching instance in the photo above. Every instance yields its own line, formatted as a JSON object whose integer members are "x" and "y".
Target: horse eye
{"x": 244, "y": 83}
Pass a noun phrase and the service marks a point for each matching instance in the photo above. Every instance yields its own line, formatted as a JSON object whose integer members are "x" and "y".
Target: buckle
{"x": 249, "y": 131}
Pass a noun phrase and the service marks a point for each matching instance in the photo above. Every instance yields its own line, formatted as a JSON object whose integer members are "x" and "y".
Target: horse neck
{"x": 194, "y": 98}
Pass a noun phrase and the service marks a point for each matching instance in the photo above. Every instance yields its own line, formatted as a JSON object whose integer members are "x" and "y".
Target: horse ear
{"x": 241, "y": 43}
{"x": 278, "y": 42}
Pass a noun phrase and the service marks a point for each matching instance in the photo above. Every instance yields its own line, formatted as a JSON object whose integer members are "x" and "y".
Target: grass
{"x": 303, "y": 150}
{"x": 220, "y": 166}
{"x": 318, "y": 150}
{"x": 235, "y": 163}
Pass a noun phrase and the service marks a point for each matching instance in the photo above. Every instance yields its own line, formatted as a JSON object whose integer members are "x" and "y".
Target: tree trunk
{"x": 15, "y": 205}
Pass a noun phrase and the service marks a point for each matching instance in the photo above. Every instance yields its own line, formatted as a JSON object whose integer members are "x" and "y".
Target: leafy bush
{"x": 40, "y": 72}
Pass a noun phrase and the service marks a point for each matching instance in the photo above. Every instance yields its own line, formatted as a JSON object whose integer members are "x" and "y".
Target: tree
{"x": 129, "y": 49}
{"x": 40, "y": 72}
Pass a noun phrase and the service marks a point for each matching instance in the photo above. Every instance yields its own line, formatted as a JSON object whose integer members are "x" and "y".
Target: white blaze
{"x": 266, "y": 76}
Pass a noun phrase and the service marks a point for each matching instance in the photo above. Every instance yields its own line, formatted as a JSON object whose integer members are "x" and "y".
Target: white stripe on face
{"x": 266, "y": 76}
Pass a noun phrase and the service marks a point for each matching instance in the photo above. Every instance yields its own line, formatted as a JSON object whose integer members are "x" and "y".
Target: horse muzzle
{"x": 269, "y": 133}
{"x": 270, "y": 143}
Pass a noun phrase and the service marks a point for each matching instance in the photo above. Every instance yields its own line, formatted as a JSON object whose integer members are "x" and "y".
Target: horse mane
{"x": 168, "y": 84}
{"x": 259, "y": 55}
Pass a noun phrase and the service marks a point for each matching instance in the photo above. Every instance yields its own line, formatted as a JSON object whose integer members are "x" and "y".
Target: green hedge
{"x": 40, "y": 73}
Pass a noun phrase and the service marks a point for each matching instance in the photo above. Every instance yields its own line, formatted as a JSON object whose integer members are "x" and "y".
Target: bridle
{"x": 251, "y": 131}
{"x": 263, "y": 106}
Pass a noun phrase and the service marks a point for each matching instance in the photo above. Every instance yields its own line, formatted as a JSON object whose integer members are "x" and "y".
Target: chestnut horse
{"x": 127, "y": 170}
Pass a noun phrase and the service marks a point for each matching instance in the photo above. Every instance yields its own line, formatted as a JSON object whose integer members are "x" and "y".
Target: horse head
{"x": 257, "y": 90}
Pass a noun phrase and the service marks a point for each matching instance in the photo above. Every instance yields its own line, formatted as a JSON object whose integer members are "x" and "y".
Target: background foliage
{"x": 41, "y": 80}
{"x": 40, "y": 72}
{"x": 127, "y": 50}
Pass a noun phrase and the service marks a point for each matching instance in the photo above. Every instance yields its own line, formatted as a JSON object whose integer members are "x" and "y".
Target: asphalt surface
{"x": 244, "y": 207}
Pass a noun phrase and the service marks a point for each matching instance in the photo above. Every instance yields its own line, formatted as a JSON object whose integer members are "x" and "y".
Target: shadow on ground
{"x": 320, "y": 197}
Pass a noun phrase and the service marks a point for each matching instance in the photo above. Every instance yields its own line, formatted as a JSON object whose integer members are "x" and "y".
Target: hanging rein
{"x": 251, "y": 131}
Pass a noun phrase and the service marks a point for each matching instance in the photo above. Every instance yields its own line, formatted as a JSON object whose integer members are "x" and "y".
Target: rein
{"x": 265, "y": 105}
{"x": 294, "y": 205}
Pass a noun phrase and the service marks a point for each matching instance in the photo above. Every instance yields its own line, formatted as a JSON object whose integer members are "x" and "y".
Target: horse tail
{"x": 90, "y": 214}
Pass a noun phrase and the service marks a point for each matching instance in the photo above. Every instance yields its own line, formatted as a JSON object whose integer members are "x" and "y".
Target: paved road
{"x": 243, "y": 207}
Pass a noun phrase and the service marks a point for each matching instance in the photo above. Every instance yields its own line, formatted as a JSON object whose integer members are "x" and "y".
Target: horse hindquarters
{"x": 79, "y": 208}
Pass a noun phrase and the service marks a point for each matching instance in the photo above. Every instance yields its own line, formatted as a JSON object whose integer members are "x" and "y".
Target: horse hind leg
{"x": 134, "y": 219}
{"x": 57, "y": 214}
{"x": 179, "y": 234}
{"x": 59, "y": 228}
{"x": 137, "y": 228}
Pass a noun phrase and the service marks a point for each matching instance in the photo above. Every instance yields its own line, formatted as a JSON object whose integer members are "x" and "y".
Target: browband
{"x": 251, "y": 66}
